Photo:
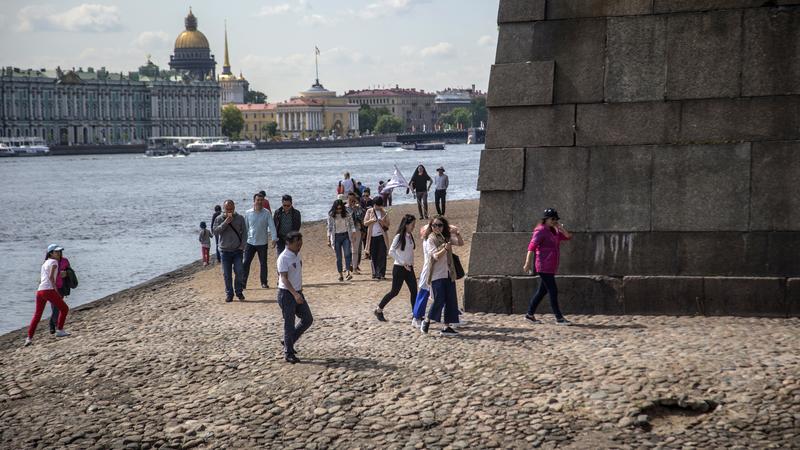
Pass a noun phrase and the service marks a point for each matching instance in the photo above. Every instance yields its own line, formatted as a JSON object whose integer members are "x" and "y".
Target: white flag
{"x": 397, "y": 180}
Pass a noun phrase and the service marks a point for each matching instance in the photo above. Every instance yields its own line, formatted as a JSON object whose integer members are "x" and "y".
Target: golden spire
{"x": 226, "y": 66}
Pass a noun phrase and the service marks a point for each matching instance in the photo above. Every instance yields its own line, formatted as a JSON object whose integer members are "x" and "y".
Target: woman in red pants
{"x": 47, "y": 292}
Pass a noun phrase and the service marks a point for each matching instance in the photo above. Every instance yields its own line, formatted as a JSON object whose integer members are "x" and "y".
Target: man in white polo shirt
{"x": 290, "y": 295}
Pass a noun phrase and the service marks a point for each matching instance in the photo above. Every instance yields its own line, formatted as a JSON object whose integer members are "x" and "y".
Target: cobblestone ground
{"x": 170, "y": 365}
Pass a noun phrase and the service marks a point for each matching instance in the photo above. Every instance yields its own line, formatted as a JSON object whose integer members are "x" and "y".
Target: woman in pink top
{"x": 544, "y": 245}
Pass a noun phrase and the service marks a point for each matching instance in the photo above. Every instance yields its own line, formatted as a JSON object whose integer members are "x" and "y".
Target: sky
{"x": 423, "y": 44}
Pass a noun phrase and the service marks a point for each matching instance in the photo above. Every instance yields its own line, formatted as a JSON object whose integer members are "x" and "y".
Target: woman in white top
{"x": 47, "y": 292}
{"x": 442, "y": 276}
{"x": 377, "y": 223}
{"x": 402, "y": 251}
{"x": 340, "y": 230}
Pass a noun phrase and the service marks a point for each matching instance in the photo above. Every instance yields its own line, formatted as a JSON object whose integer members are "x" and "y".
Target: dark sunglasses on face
{"x": 438, "y": 225}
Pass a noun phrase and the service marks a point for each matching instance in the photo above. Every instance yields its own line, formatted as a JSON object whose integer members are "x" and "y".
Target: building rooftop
{"x": 256, "y": 106}
{"x": 387, "y": 92}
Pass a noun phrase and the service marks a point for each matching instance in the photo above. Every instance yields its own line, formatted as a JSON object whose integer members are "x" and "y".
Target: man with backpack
{"x": 231, "y": 230}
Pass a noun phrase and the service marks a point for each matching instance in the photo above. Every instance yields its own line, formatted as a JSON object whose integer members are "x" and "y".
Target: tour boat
{"x": 24, "y": 146}
{"x": 422, "y": 146}
{"x": 167, "y": 146}
{"x": 392, "y": 144}
{"x": 242, "y": 145}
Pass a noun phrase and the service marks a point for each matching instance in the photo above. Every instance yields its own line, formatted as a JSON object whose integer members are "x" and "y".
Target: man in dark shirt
{"x": 287, "y": 219}
{"x": 421, "y": 184}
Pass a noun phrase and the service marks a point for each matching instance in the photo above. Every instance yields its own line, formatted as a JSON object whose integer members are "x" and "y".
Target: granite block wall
{"x": 667, "y": 134}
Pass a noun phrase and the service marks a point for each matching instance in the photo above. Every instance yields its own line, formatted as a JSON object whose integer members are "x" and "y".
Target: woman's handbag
{"x": 459, "y": 268}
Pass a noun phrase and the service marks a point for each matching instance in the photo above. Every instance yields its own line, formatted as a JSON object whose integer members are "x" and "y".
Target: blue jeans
{"x": 546, "y": 286}
{"x": 341, "y": 243}
{"x": 232, "y": 261}
{"x": 444, "y": 297}
{"x": 291, "y": 309}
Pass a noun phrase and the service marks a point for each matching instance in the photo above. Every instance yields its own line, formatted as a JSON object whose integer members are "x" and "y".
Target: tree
{"x": 255, "y": 97}
{"x": 232, "y": 121}
{"x": 478, "y": 109}
{"x": 368, "y": 117}
{"x": 270, "y": 129}
{"x": 457, "y": 118}
{"x": 388, "y": 123}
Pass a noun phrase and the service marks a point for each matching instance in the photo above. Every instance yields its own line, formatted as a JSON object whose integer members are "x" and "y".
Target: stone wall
{"x": 667, "y": 135}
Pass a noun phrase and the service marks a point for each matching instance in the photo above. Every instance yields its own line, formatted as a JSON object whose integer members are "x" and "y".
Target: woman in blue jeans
{"x": 442, "y": 276}
{"x": 544, "y": 246}
{"x": 340, "y": 229}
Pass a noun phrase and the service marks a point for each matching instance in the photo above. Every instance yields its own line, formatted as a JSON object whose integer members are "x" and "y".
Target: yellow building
{"x": 317, "y": 113}
{"x": 256, "y": 117}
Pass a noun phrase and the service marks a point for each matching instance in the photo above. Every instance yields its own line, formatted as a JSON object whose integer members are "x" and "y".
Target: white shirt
{"x": 348, "y": 185}
{"x": 440, "y": 182}
{"x": 440, "y": 267}
{"x": 340, "y": 225}
{"x": 402, "y": 257}
{"x": 292, "y": 264}
{"x": 45, "y": 284}
{"x": 426, "y": 265}
{"x": 377, "y": 229}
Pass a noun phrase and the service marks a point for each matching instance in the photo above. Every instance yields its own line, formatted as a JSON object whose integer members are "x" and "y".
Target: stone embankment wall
{"x": 667, "y": 135}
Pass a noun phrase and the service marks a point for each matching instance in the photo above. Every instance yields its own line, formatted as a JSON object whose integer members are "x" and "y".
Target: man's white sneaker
{"x": 61, "y": 333}
{"x": 28, "y": 341}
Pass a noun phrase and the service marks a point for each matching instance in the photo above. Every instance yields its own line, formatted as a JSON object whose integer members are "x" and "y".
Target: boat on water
{"x": 242, "y": 145}
{"x": 391, "y": 144}
{"x": 424, "y": 146}
{"x": 23, "y": 146}
{"x": 167, "y": 146}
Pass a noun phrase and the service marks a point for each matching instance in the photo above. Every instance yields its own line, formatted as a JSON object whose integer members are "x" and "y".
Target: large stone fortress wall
{"x": 667, "y": 135}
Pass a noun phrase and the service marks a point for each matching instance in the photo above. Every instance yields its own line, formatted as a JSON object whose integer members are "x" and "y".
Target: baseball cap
{"x": 54, "y": 248}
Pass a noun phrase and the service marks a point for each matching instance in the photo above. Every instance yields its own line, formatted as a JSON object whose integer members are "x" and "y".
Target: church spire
{"x": 226, "y": 66}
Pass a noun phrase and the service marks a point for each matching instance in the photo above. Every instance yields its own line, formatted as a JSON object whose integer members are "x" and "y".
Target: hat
{"x": 440, "y": 168}
{"x": 550, "y": 213}
{"x": 54, "y": 248}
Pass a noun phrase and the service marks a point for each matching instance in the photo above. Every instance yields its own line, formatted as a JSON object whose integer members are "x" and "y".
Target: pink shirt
{"x": 62, "y": 265}
{"x": 545, "y": 244}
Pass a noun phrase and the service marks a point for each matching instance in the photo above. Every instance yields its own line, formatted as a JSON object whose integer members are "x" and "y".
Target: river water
{"x": 124, "y": 219}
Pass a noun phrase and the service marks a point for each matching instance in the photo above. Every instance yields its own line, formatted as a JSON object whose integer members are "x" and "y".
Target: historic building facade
{"x": 192, "y": 52}
{"x": 450, "y": 99}
{"x": 317, "y": 112}
{"x": 99, "y": 107}
{"x": 256, "y": 117}
{"x": 416, "y": 109}
{"x": 233, "y": 88}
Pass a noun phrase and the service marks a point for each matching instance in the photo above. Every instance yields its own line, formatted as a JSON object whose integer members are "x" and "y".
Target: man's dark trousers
{"x": 250, "y": 252}
{"x": 440, "y": 196}
{"x": 291, "y": 309}
{"x": 232, "y": 265}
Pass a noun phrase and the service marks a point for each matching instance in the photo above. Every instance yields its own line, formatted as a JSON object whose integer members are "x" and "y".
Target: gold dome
{"x": 191, "y": 39}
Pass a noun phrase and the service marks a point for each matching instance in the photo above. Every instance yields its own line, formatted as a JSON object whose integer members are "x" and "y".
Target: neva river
{"x": 124, "y": 219}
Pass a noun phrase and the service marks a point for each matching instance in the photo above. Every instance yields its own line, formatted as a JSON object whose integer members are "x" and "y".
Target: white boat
{"x": 167, "y": 146}
{"x": 220, "y": 146}
{"x": 392, "y": 144}
{"x": 242, "y": 145}
{"x": 24, "y": 146}
{"x": 5, "y": 150}
{"x": 421, "y": 146}
{"x": 199, "y": 146}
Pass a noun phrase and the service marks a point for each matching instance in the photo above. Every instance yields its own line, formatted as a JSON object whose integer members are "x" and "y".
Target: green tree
{"x": 255, "y": 97}
{"x": 388, "y": 123}
{"x": 232, "y": 121}
{"x": 478, "y": 110}
{"x": 270, "y": 129}
{"x": 457, "y": 118}
{"x": 368, "y": 117}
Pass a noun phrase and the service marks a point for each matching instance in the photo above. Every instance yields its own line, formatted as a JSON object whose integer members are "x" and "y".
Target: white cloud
{"x": 487, "y": 40}
{"x": 150, "y": 39}
{"x": 82, "y": 18}
{"x": 275, "y": 10}
{"x": 442, "y": 49}
{"x": 385, "y": 8}
{"x": 317, "y": 19}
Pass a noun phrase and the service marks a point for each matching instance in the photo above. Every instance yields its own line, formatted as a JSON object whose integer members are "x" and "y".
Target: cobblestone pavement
{"x": 170, "y": 365}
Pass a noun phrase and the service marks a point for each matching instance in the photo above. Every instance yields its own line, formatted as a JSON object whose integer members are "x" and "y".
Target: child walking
{"x": 205, "y": 242}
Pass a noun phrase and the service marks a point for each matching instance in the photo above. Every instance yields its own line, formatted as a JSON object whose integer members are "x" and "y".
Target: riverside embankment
{"x": 168, "y": 364}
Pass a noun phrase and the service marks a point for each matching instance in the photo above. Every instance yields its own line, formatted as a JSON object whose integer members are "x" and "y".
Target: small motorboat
{"x": 424, "y": 146}
{"x": 391, "y": 144}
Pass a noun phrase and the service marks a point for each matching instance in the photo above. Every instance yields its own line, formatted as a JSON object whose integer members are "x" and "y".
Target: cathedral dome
{"x": 191, "y": 38}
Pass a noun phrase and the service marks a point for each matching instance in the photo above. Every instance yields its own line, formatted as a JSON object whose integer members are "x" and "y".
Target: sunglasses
{"x": 437, "y": 225}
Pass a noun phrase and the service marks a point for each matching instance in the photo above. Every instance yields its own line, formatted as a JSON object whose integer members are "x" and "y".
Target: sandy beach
{"x": 168, "y": 364}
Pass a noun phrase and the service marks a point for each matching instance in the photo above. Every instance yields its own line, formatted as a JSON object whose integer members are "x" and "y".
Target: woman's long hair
{"x": 401, "y": 231}
{"x": 424, "y": 172}
{"x": 336, "y": 204}
{"x": 445, "y": 228}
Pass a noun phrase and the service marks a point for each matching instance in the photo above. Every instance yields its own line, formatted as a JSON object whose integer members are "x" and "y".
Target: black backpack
{"x": 71, "y": 280}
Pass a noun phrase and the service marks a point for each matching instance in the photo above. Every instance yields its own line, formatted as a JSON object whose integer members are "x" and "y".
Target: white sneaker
{"x": 415, "y": 323}
{"x": 61, "y": 333}
{"x": 28, "y": 341}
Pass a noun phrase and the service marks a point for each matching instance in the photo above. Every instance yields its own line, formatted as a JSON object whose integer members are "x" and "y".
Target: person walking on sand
{"x": 443, "y": 275}
{"x": 287, "y": 219}
{"x": 424, "y": 287}
{"x": 231, "y": 230}
{"x": 340, "y": 229}
{"x": 440, "y": 183}
{"x": 217, "y": 212}
{"x": 347, "y": 184}
{"x": 290, "y": 295}
{"x": 62, "y": 286}
{"x": 266, "y": 202}
{"x": 377, "y": 222}
{"x": 259, "y": 223}
{"x": 357, "y": 213}
{"x": 421, "y": 184}
{"x": 544, "y": 248}
{"x": 47, "y": 292}
{"x": 205, "y": 242}
{"x": 402, "y": 251}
